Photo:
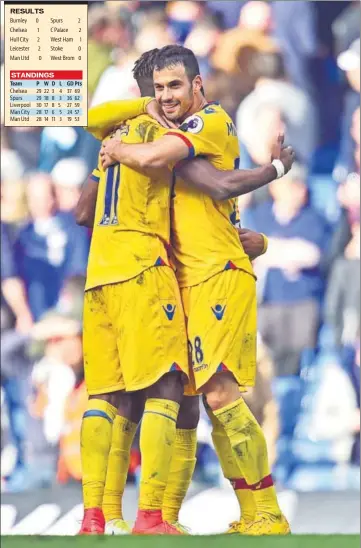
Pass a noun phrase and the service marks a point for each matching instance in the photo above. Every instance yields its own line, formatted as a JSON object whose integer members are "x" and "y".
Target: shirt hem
{"x": 183, "y": 285}
{"x": 101, "y": 282}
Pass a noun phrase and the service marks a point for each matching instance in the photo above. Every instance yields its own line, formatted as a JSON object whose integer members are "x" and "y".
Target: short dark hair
{"x": 268, "y": 65}
{"x": 170, "y": 56}
{"x": 143, "y": 72}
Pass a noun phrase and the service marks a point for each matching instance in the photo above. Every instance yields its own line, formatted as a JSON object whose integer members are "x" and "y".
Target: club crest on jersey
{"x": 169, "y": 310}
{"x": 218, "y": 311}
{"x": 121, "y": 131}
{"x": 194, "y": 124}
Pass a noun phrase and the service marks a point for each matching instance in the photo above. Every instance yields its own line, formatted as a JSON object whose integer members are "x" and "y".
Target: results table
{"x": 46, "y": 63}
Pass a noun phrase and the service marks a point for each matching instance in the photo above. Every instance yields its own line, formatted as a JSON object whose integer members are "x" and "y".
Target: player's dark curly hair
{"x": 143, "y": 72}
{"x": 173, "y": 55}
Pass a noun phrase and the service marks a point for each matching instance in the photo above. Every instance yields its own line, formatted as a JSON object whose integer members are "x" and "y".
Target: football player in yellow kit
{"x": 184, "y": 455}
{"x": 215, "y": 275}
{"x": 134, "y": 333}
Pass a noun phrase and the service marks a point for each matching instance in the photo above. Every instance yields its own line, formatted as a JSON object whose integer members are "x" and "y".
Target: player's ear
{"x": 197, "y": 84}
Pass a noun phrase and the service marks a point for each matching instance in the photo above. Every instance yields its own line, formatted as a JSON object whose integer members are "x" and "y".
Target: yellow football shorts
{"x": 134, "y": 332}
{"x": 221, "y": 318}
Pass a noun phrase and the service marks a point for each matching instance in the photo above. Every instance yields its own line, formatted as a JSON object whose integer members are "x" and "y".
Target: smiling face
{"x": 176, "y": 94}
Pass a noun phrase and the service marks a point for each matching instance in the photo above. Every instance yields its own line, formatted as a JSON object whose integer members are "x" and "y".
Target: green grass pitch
{"x": 302, "y": 541}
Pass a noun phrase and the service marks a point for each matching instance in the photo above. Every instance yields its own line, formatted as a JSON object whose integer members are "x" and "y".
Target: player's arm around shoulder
{"x": 106, "y": 116}
{"x": 200, "y": 134}
{"x": 223, "y": 185}
{"x": 166, "y": 150}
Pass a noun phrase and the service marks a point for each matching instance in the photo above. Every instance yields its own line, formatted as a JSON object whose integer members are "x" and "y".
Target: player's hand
{"x": 287, "y": 158}
{"x": 107, "y": 161}
{"x": 277, "y": 147}
{"x": 285, "y": 154}
{"x": 252, "y": 242}
{"x": 155, "y": 111}
{"x": 108, "y": 152}
{"x": 24, "y": 323}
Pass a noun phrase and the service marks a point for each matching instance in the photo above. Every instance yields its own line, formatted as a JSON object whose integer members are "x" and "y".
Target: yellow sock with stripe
{"x": 118, "y": 467}
{"x": 96, "y": 437}
{"x": 180, "y": 475}
{"x": 250, "y": 451}
{"x": 157, "y": 437}
{"x": 231, "y": 469}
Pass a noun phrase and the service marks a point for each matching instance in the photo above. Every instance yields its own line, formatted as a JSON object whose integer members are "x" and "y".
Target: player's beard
{"x": 179, "y": 117}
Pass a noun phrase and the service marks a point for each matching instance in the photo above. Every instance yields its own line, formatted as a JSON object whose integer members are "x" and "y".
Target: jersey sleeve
{"x": 203, "y": 133}
{"x": 104, "y": 117}
{"x": 95, "y": 174}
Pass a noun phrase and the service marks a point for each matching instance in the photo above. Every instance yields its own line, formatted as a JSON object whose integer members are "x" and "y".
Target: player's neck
{"x": 199, "y": 103}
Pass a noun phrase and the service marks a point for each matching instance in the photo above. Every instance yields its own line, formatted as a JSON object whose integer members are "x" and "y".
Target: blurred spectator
{"x": 67, "y": 142}
{"x": 274, "y": 105}
{"x": 295, "y": 28}
{"x": 291, "y": 284}
{"x": 237, "y": 47}
{"x": 106, "y": 31}
{"x": 349, "y": 61}
{"x": 227, "y": 11}
{"x": 346, "y": 27}
{"x": 50, "y": 248}
{"x": 13, "y": 292}
{"x": 16, "y": 323}
{"x": 117, "y": 81}
{"x": 355, "y": 378}
{"x": 343, "y": 294}
{"x": 349, "y": 199}
{"x": 69, "y": 464}
{"x": 25, "y": 142}
{"x": 53, "y": 380}
{"x": 202, "y": 40}
{"x": 154, "y": 33}
{"x": 335, "y": 414}
{"x": 223, "y": 87}
{"x": 182, "y": 17}
{"x": 12, "y": 167}
{"x": 68, "y": 177}
{"x": 14, "y": 209}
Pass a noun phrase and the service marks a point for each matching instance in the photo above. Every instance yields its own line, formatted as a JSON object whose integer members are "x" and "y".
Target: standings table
{"x": 46, "y": 63}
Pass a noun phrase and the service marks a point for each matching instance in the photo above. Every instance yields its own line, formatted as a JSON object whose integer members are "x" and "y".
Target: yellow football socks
{"x": 96, "y": 437}
{"x": 157, "y": 438}
{"x": 250, "y": 451}
{"x": 231, "y": 469}
{"x": 118, "y": 466}
{"x": 180, "y": 475}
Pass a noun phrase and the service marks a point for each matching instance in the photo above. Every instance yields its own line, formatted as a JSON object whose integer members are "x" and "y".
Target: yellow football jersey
{"x": 204, "y": 238}
{"x": 132, "y": 219}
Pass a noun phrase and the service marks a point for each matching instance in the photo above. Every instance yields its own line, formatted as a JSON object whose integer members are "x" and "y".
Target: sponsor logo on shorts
{"x": 202, "y": 367}
{"x": 218, "y": 311}
{"x": 169, "y": 309}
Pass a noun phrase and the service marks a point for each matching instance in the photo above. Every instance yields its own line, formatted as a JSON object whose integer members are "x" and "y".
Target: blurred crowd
{"x": 285, "y": 65}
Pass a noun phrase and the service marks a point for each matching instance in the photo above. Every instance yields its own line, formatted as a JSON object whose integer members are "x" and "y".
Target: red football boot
{"x": 93, "y": 522}
{"x": 150, "y": 522}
